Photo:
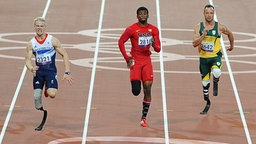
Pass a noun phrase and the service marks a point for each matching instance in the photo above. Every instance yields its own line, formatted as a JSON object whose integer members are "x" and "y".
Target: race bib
{"x": 144, "y": 41}
{"x": 208, "y": 46}
{"x": 43, "y": 59}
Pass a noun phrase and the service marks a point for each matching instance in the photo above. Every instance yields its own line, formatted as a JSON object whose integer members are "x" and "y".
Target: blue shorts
{"x": 45, "y": 77}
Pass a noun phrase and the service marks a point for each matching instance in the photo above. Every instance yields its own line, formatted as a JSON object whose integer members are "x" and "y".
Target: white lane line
{"x": 86, "y": 122}
{"x": 12, "y": 104}
{"x": 141, "y": 140}
{"x": 166, "y": 131}
{"x": 18, "y": 89}
{"x": 234, "y": 86}
{"x": 46, "y": 8}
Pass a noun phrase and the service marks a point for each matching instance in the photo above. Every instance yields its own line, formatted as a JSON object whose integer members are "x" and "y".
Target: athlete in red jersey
{"x": 142, "y": 36}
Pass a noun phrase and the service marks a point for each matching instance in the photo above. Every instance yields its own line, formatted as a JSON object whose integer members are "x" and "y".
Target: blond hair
{"x": 41, "y": 19}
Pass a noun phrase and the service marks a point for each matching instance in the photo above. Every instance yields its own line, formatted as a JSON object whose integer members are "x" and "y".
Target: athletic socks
{"x": 145, "y": 109}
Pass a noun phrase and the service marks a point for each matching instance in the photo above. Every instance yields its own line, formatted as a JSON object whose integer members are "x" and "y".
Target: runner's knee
{"x": 52, "y": 93}
{"x": 38, "y": 98}
{"x": 216, "y": 72}
{"x": 147, "y": 88}
{"x": 136, "y": 87}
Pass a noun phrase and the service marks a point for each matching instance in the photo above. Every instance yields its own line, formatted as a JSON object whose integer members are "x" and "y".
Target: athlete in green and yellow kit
{"x": 207, "y": 39}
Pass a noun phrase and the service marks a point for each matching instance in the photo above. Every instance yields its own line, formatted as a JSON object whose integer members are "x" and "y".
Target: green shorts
{"x": 207, "y": 64}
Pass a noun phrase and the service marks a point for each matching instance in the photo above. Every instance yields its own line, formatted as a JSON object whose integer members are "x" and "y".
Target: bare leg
{"x": 146, "y": 102}
{"x": 147, "y": 97}
{"x": 52, "y": 92}
{"x": 147, "y": 90}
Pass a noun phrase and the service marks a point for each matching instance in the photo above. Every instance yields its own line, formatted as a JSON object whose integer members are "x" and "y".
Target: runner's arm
{"x": 28, "y": 58}
{"x": 226, "y": 31}
{"x": 124, "y": 37}
{"x": 156, "y": 44}
{"x": 197, "y": 39}
{"x": 57, "y": 45}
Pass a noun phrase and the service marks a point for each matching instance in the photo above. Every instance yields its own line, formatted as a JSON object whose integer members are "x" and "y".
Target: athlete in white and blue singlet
{"x": 44, "y": 47}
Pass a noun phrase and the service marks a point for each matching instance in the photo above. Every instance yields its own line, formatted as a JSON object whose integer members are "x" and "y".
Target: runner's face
{"x": 142, "y": 16}
{"x": 40, "y": 28}
{"x": 208, "y": 14}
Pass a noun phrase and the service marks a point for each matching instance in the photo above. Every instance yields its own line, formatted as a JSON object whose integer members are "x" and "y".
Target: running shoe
{"x": 143, "y": 122}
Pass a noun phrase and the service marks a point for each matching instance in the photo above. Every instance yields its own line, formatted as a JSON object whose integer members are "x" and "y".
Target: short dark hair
{"x": 209, "y": 6}
{"x": 141, "y": 8}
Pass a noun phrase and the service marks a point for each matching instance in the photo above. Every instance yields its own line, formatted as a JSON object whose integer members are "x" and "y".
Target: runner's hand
{"x": 205, "y": 32}
{"x": 230, "y": 48}
{"x": 68, "y": 78}
{"x": 152, "y": 41}
{"x": 34, "y": 69}
{"x": 130, "y": 63}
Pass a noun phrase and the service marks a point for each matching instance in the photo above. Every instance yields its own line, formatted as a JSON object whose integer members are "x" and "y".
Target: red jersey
{"x": 141, "y": 37}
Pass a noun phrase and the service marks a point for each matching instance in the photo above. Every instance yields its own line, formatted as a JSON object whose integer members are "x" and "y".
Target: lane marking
{"x": 234, "y": 85}
{"x": 107, "y": 48}
{"x": 165, "y": 115}
{"x": 18, "y": 89}
{"x": 89, "y": 101}
{"x": 245, "y": 112}
{"x": 16, "y": 106}
{"x": 93, "y": 33}
{"x": 132, "y": 139}
{"x": 161, "y": 110}
{"x": 84, "y": 108}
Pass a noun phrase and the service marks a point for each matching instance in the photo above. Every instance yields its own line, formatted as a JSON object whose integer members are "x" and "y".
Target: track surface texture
{"x": 114, "y": 113}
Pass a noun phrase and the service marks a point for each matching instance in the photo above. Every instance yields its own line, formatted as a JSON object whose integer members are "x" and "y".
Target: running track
{"x": 99, "y": 107}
